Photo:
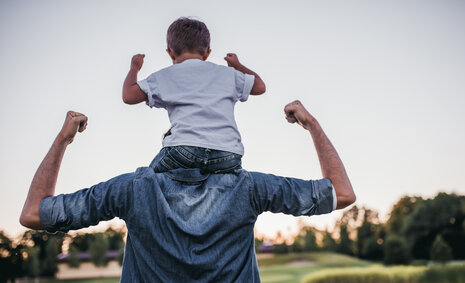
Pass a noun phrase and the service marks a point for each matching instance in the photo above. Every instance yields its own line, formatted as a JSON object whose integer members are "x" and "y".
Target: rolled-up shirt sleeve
{"x": 150, "y": 87}
{"x": 290, "y": 195}
{"x": 244, "y": 84}
{"x": 88, "y": 207}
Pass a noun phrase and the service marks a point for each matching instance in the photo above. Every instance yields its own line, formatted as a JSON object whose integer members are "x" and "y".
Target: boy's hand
{"x": 137, "y": 61}
{"x": 232, "y": 60}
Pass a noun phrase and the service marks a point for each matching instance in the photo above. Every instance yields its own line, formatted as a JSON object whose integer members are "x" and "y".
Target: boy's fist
{"x": 137, "y": 61}
{"x": 232, "y": 60}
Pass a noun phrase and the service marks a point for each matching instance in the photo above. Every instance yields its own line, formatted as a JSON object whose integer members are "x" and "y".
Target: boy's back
{"x": 199, "y": 97}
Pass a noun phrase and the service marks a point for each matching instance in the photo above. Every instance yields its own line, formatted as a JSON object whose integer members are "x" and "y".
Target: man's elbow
{"x": 30, "y": 221}
{"x": 346, "y": 200}
{"x": 24, "y": 220}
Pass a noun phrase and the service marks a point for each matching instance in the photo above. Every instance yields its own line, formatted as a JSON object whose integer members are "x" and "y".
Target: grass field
{"x": 277, "y": 269}
{"x": 294, "y": 268}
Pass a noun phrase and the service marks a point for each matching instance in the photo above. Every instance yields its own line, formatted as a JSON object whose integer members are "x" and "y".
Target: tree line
{"x": 417, "y": 230}
{"x": 35, "y": 254}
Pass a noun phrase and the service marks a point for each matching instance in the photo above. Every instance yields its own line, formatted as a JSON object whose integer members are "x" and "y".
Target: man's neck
{"x": 185, "y": 56}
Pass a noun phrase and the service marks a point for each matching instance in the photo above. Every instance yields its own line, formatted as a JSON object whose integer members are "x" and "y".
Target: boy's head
{"x": 188, "y": 35}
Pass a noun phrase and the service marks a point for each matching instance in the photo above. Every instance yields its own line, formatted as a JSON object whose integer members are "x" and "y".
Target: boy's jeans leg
{"x": 207, "y": 160}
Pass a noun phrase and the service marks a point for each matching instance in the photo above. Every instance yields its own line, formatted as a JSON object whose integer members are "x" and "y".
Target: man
{"x": 184, "y": 226}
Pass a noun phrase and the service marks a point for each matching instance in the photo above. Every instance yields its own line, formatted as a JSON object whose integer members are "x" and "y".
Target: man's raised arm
{"x": 44, "y": 181}
{"x": 330, "y": 163}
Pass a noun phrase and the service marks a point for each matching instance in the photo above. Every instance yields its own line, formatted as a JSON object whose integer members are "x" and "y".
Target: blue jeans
{"x": 207, "y": 160}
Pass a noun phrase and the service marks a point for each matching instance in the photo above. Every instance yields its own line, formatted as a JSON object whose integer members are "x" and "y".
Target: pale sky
{"x": 385, "y": 79}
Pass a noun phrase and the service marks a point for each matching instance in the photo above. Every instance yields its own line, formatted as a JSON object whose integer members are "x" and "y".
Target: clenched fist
{"x": 137, "y": 61}
{"x": 232, "y": 60}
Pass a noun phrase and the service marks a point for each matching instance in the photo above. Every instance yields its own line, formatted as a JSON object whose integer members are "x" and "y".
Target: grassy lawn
{"x": 294, "y": 267}
{"x": 290, "y": 268}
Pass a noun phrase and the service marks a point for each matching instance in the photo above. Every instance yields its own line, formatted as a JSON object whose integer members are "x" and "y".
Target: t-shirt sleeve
{"x": 244, "y": 84}
{"x": 290, "y": 195}
{"x": 88, "y": 207}
{"x": 151, "y": 88}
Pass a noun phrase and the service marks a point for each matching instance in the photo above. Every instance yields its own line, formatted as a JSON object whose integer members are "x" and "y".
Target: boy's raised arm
{"x": 132, "y": 94}
{"x": 258, "y": 85}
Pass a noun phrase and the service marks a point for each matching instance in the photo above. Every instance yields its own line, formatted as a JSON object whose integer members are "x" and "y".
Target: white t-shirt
{"x": 200, "y": 97}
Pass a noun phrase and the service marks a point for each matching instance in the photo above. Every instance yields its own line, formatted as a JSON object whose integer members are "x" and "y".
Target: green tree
{"x": 98, "y": 249}
{"x": 73, "y": 257}
{"x": 82, "y": 241}
{"x": 281, "y": 248}
{"x": 400, "y": 213}
{"x": 309, "y": 241}
{"x": 257, "y": 244}
{"x": 6, "y": 264}
{"x": 121, "y": 256}
{"x": 306, "y": 241}
{"x": 395, "y": 251}
{"x": 346, "y": 245}
{"x": 32, "y": 263}
{"x": 329, "y": 244}
{"x": 364, "y": 233}
{"x": 440, "y": 250}
{"x": 372, "y": 249}
{"x": 47, "y": 251}
{"x": 115, "y": 239}
{"x": 441, "y": 215}
{"x": 49, "y": 263}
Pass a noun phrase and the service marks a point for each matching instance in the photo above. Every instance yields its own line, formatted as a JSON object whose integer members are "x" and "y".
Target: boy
{"x": 199, "y": 97}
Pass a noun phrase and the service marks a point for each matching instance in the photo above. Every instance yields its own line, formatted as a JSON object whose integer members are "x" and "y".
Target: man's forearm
{"x": 43, "y": 184}
{"x": 44, "y": 181}
{"x": 331, "y": 165}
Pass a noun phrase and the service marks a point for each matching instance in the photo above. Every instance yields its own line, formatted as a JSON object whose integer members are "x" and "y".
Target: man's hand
{"x": 296, "y": 113}
{"x": 137, "y": 62}
{"x": 74, "y": 122}
{"x": 232, "y": 60}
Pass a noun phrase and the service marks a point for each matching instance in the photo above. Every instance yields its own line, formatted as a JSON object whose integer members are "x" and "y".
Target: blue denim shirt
{"x": 184, "y": 226}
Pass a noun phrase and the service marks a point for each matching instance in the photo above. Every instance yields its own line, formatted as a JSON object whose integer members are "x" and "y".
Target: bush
{"x": 374, "y": 274}
{"x": 396, "y": 274}
{"x": 445, "y": 273}
{"x": 372, "y": 250}
{"x": 73, "y": 257}
{"x": 440, "y": 251}
{"x": 395, "y": 251}
{"x": 98, "y": 249}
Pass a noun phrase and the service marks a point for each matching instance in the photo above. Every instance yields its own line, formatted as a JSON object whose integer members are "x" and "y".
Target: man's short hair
{"x": 190, "y": 35}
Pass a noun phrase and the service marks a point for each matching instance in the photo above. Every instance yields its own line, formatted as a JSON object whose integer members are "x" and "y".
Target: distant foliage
{"x": 396, "y": 274}
{"x": 49, "y": 263}
{"x": 73, "y": 257}
{"x": 98, "y": 249}
{"x": 329, "y": 244}
{"x": 396, "y": 251}
{"x": 372, "y": 250}
{"x": 345, "y": 245}
{"x": 440, "y": 251}
{"x": 306, "y": 241}
{"x": 32, "y": 263}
